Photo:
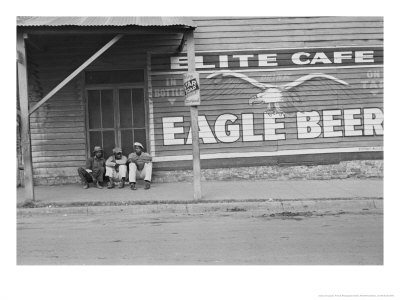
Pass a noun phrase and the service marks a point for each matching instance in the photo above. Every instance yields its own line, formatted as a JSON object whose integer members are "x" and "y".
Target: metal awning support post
{"x": 76, "y": 72}
{"x": 24, "y": 106}
{"x": 194, "y": 121}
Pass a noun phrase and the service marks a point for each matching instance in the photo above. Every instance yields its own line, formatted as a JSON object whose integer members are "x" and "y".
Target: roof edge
{"x": 90, "y": 22}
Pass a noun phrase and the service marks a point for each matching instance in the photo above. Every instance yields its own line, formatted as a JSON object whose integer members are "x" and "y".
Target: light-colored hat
{"x": 138, "y": 144}
{"x": 117, "y": 150}
{"x": 97, "y": 149}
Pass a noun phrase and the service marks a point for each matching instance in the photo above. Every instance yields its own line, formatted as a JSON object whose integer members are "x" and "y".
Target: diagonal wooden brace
{"x": 76, "y": 72}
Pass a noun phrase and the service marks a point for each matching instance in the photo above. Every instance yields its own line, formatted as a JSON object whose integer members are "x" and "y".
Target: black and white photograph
{"x": 206, "y": 140}
{"x": 202, "y": 142}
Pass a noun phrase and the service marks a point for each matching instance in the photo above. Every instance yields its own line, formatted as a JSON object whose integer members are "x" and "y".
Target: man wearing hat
{"x": 95, "y": 168}
{"x": 140, "y": 164}
{"x": 116, "y": 168}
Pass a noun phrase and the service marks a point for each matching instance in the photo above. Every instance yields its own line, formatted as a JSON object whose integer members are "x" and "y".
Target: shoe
{"x": 121, "y": 184}
{"x": 133, "y": 186}
{"x": 98, "y": 185}
{"x": 85, "y": 186}
{"x": 147, "y": 185}
{"x": 110, "y": 184}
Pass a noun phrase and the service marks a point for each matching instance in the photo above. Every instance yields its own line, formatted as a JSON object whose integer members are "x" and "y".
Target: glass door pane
{"x": 132, "y": 117}
{"x": 94, "y": 108}
{"x": 95, "y": 139}
{"x": 140, "y": 136}
{"x": 127, "y": 141}
{"x": 125, "y": 108}
{"x": 101, "y": 121}
{"x": 107, "y": 109}
{"x": 138, "y": 108}
{"x": 108, "y": 142}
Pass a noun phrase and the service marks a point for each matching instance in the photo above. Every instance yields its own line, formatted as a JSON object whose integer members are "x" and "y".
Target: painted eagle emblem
{"x": 277, "y": 96}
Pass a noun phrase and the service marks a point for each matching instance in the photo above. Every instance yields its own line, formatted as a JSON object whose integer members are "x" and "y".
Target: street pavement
{"x": 308, "y": 222}
{"x": 123, "y": 235}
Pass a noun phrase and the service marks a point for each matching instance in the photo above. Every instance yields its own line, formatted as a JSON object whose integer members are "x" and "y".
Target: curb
{"x": 39, "y": 204}
{"x": 288, "y": 207}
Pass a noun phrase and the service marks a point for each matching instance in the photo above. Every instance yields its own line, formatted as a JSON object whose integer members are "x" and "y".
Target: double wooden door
{"x": 116, "y": 117}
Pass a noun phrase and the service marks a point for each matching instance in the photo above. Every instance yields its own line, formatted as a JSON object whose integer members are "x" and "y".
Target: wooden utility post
{"x": 194, "y": 120}
{"x": 24, "y": 106}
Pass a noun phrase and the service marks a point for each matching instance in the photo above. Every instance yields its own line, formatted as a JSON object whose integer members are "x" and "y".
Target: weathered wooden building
{"x": 273, "y": 90}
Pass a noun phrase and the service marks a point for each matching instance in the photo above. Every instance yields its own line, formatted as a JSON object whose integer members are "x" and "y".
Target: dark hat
{"x": 97, "y": 149}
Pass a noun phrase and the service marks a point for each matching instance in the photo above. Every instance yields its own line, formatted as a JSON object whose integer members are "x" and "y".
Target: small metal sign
{"x": 191, "y": 85}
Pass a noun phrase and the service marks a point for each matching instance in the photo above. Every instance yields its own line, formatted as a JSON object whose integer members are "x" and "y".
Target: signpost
{"x": 192, "y": 99}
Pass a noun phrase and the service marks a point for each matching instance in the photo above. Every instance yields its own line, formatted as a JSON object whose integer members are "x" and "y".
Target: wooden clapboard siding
{"x": 240, "y": 33}
{"x": 258, "y": 31}
{"x": 59, "y": 123}
{"x": 264, "y": 33}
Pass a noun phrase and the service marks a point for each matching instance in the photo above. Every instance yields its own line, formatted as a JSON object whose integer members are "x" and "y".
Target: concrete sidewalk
{"x": 217, "y": 191}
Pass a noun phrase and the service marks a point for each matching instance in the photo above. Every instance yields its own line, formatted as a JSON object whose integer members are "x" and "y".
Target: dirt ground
{"x": 214, "y": 236}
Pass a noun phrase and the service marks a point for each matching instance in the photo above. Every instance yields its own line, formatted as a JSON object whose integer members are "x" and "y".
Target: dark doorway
{"x": 116, "y": 111}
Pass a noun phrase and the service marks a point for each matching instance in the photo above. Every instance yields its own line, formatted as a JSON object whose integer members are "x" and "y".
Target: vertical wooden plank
{"x": 24, "y": 106}
{"x": 194, "y": 121}
{"x": 150, "y": 121}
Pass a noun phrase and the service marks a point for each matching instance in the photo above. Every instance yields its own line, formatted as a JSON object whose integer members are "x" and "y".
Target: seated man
{"x": 94, "y": 171}
{"x": 139, "y": 165}
{"x": 116, "y": 168}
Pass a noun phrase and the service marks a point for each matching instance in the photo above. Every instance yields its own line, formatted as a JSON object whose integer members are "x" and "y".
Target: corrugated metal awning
{"x": 106, "y": 21}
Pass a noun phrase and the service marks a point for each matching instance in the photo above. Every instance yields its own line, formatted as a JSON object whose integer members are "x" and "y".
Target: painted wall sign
{"x": 191, "y": 84}
{"x": 281, "y": 58}
{"x": 293, "y": 101}
{"x": 231, "y": 128}
{"x": 275, "y": 95}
